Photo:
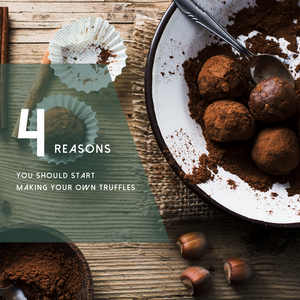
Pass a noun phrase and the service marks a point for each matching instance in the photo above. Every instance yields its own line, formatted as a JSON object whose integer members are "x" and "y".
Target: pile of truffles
{"x": 272, "y": 103}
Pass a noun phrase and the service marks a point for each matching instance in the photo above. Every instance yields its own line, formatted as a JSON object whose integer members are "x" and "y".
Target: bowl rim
{"x": 88, "y": 274}
{"x": 148, "y": 80}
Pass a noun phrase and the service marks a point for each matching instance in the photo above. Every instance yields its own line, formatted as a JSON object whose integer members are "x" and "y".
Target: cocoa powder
{"x": 270, "y": 17}
{"x": 104, "y": 55}
{"x": 202, "y": 173}
{"x": 43, "y": 271}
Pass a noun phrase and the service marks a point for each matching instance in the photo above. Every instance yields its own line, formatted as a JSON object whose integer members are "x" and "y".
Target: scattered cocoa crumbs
{"x": 271, "y": 18}
{"x": 163, "y": 73}
{"x": 104, "y": 55}
{"x": 232, "y": 184}
{"x": 202, "y": 172}
{"x": 86, "y": 80}
{"x": 274, "y": 195}
{"x": 258, "y": 42}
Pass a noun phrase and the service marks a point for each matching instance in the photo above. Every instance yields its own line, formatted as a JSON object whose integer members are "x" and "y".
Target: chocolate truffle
{"x": 276, "y": 151}
{"x": 228, "y": 121}
{"x": 62, "y": 126}
{"x": 273, "y": 100}
{"x": 221, "y": 78}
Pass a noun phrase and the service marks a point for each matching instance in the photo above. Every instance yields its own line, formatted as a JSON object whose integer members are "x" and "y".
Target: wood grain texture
{"x": 87, "y": 291}
{"x": 32, "y": 24}
{"x": 152, "y": 271}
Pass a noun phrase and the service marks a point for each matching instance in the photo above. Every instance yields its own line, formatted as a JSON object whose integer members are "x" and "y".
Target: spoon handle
{"x": 199, "y": 15}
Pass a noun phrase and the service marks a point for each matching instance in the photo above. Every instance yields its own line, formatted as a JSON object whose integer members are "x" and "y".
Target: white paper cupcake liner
{"x": 80, "y": 109}
{"x": 79, "y": 43}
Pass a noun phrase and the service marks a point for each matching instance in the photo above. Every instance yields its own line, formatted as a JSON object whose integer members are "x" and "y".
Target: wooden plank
{"x": 55, "y": 20}
{"x": 31, "y": 53}
{"x": 30, "y": 36}
{"x": 61, "y": 7}
{"x": 152, "y": 271}
{"x": 157, "y": 2}
{"x": 85, "y": 7}
{"x": 143, "y": 270}
{"x": 71, "y": 203}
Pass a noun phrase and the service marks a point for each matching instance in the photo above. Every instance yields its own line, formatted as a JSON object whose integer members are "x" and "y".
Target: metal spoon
{"x": 262, "y": 66}
{"x": 12, "y": 293}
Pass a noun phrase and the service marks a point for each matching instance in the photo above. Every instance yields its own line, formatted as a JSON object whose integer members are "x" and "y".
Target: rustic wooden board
{"x": 65, "y": 210}
{"x": 152, "y": 271}
{"x": 32, "y": 24}
{"x": 24, "y": 36}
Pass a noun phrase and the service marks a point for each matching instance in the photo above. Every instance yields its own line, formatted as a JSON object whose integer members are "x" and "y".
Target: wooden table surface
{"x": 152, "y": 270}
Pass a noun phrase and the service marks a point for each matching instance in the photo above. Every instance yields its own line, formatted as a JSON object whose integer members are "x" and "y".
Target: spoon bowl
{"x": 262, "y": 66}
{"x": 12, "y": 293}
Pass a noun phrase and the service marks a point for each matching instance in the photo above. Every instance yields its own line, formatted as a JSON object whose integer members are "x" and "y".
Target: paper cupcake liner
{"x": 80, "y": 109}
{"x": 80, "y": 43}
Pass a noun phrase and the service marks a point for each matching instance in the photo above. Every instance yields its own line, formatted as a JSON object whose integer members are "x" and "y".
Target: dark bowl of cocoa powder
{"x": 44, "y": 263}
{"x": 222, "y": 174}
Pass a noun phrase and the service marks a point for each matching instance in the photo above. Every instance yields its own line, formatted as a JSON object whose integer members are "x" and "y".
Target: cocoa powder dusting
{"x": 202, "y": 173}
{"x": 270, "y": 17}
{"x": 232, "y": 184}
{"x": 43, "y": 271}
{"x": 104, "y": 55}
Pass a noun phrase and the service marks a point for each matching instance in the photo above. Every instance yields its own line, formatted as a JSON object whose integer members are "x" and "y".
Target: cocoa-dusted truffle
{"x": 221, "y": 78}
{"x": 273, "y": 100}
{"x": 62, "y": 126}
{"x": 276, "y": 151}
{"x": 228, "y": 121}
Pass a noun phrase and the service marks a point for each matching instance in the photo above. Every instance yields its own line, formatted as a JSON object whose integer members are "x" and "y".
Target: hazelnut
{"x": 192, "y": 244}
{"x": 237, "y": 269}
{"x": 196, "y": 279}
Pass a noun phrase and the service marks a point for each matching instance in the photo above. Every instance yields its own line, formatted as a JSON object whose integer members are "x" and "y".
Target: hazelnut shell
{"x": 196, "y": 279}
{"x": 192, "y": 244}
